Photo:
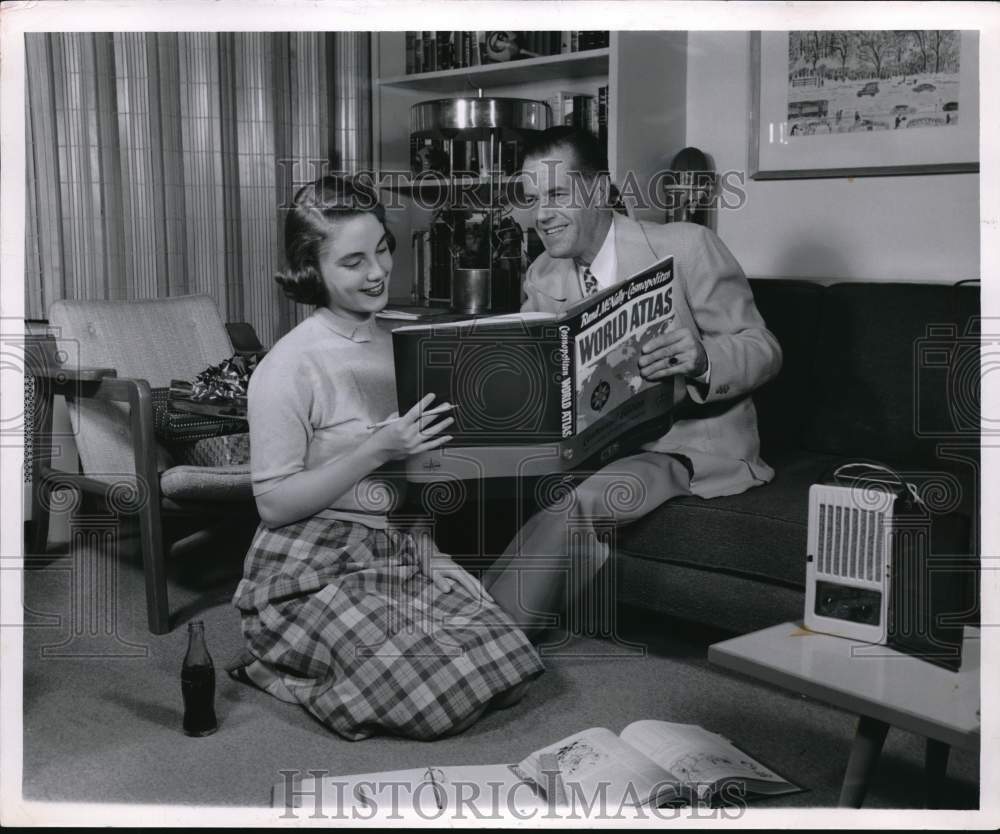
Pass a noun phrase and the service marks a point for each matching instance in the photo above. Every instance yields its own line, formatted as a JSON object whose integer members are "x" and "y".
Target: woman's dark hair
{"x": 315, "y": 210}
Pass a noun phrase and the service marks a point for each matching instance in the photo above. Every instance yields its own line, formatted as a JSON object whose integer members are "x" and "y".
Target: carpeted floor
{"x": 102, "y": 704}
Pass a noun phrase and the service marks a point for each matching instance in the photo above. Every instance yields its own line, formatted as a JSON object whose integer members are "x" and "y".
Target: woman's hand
{"x": 445, "y": 573}
{"x": 411, "y": 434}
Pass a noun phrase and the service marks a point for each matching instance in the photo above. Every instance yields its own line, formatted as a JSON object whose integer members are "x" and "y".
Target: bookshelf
{"x": 556, "y": 67}
{"x": 646, "y": 75}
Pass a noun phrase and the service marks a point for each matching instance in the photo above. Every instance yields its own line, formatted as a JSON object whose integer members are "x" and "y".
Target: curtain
{"x": 159, "y": 164}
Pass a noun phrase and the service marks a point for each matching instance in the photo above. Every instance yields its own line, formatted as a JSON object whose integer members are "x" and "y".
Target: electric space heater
{"x": 870, "y": 575}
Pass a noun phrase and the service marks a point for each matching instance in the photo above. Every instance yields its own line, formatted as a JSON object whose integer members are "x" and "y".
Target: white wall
{"x": 922, "y": 228}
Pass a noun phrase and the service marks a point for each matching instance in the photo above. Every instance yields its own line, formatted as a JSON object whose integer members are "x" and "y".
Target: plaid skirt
{"x": 342, "y": 619}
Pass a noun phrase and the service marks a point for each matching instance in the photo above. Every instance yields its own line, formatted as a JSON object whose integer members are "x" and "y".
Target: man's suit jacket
{"x": 716, "y": 427}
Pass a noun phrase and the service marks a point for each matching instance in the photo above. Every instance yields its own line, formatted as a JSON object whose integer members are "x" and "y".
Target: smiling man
{"x": 720, "y": 346}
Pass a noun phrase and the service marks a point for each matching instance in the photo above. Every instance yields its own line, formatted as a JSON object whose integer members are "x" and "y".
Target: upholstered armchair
{"x": 105, "y": 359}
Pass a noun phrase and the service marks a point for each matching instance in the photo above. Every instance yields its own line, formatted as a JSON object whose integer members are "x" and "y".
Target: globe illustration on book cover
{"x": 614, "y": 378}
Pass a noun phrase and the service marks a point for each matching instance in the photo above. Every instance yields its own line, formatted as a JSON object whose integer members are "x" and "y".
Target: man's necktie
{"x": 589, "y": 282}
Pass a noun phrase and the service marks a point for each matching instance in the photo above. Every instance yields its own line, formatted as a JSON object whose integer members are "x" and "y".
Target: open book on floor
{"x": 652, "y": 763}
{"x": 569, "y": 381}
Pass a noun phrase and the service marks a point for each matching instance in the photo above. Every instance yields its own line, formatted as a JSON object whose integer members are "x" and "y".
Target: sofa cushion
{"x": 759, "y": 534}
{"x": 791, "y": 310}
{"x": 897, "y": 372}
{"x": 727, "y": 601}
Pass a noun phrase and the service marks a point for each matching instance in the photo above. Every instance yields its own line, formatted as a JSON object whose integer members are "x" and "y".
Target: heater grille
{"x": 850, "y": 541}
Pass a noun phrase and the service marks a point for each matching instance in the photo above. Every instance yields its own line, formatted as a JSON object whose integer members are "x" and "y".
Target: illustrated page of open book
{"x": 596, "y": 763}
{"x": 696, "y": 756}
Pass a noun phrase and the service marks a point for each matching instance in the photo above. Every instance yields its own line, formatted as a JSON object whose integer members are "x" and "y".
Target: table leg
{"x": 935, "y": 765}
{"x": 868, "y": 741}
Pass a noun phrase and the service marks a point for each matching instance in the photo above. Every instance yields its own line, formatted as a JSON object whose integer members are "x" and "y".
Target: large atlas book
{"x": 539, "y": 392}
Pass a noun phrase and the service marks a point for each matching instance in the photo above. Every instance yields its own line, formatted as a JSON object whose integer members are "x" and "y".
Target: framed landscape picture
{"x": 863, "y": 103}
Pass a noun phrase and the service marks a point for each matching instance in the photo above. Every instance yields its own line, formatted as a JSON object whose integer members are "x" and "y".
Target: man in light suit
{"x": 720, "y": 346}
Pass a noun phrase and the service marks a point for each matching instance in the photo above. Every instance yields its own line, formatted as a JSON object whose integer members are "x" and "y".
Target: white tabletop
{"x": 898, "y": 689}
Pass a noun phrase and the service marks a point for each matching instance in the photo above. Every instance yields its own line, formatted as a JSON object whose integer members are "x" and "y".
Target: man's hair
{"x": 588, "y": 151}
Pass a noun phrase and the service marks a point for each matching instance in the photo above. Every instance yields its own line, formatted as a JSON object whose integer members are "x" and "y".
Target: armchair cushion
{"x": 187, "y": 484}
{"x": 227, "y": 450}
{"x": 156, "y": 340}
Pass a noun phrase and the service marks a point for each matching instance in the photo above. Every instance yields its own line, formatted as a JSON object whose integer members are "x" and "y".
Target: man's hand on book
{"x": 676, "y": 352}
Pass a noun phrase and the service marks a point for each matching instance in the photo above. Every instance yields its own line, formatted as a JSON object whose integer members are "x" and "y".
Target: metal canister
{"x": 470, "y": 291}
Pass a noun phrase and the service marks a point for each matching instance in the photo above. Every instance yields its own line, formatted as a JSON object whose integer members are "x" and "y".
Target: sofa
{"x": 874, "y": 372}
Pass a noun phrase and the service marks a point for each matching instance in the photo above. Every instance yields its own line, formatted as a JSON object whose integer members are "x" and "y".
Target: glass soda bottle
{"x": 198, "y": 684}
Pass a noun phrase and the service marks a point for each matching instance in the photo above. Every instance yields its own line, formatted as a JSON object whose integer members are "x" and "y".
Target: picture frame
{"x": 806, "y": 121}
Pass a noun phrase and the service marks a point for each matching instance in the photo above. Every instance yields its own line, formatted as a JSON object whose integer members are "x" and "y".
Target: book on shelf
{"x": 593, "y": 40}
{"x": 418, "y": 51}
{"x": 569, "y": 381}
{"x": 593, "y": 119}
{"x": 586, "y": 111}
{"x": 445, "y": 50}
{"x": 579, "y": 110}
{"x": 467, "y": 40}
{"x": 653, "y": 763}
{"x": 430, "y": 51}
{"x": 410, "y": 40}
{"x": 527, "y": 45}
{"x": 579, "y": 113}
{"x": 559, "y": 103}
{"x": 602, "y": 114}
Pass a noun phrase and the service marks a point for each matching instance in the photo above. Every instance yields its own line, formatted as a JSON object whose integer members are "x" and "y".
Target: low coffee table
{"x": 884, "y": 687}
